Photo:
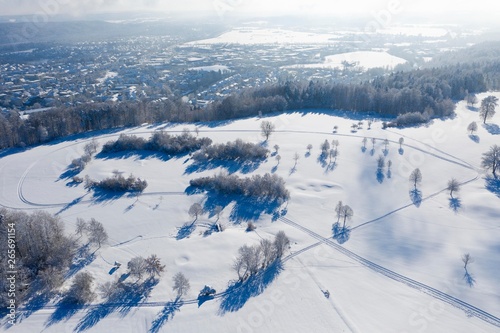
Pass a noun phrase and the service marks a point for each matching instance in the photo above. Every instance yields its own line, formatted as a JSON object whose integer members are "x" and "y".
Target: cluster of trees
{"x": 42, "y": 254}
{"x": 252, "y": 259}
{"x": 118, "y": 183}
{"x": 266, "y": 187}
{"x": 89, "y": 150}
{"x": 159, "y": 141}
{"x": 36, "y": 247}
{"x": 231, "y": 151}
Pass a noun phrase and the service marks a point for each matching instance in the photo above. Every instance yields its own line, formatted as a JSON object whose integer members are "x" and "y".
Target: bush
{"x": 268, "y": 187}
{"x": 232, "y": 151}
{"x": 118, "y": 183}
{"x": 159, "y": 141}
{"x": 412, "y": 118}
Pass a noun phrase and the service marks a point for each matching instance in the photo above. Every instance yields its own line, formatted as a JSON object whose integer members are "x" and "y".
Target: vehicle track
{"x": 466, "y": 307}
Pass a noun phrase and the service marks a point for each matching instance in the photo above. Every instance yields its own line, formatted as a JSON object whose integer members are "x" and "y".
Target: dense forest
{"x": 430, "y": 92}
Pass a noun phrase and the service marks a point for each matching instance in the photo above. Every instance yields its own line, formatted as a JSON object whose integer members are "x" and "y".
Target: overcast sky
{"x": 253, "y": 7}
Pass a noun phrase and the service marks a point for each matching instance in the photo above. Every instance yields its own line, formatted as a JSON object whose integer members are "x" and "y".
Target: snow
{"x": 417, "y": 30}
{"x": 109, "y": 75}
{"x": 364, "y": 59}
{"x": 421, "y": 242}
{"x": 254, "y": 36}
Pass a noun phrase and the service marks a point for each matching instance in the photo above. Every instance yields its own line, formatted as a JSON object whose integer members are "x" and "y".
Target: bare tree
{"x": 335, "y": 144}
{"x": 373, "y": 142}
{"x": 267, "y": 128}
{"x": 453, "y": 186}
{"x": 97, "y": 233}
{"x": 338, "y": 210}
{"x": 471, "y": 99}
{"x": 108, "y": 289}
{"x": 81, "y": 226}
{"x": 296, "y": 158}
{"x": 325, "y": 147}
{"x": 195, "y": 210}
{"x": 389, "y": 164}
{"x": 370, "y": 122}
{"x": 491, "y": 159}
{"x": 309, "y": 147}
{"x": 278, "y": 158}
{"x": 197, "y": 130}
{"x": 488, "y": 106}
{"x": 401, "y": 141}
{"x": 281, "y": 243}
{"x": 334, "y": 153}
{"x": 472, "y": 127}
{"x": 218, "y": 212}
{"x": 335, "y": 128}
{"x": 365, "y": 140}
{"x": 346, "y": 214}
{"x": 181, "y": 284}
{"x": 153, "y": 266}
{"x": 416, "y": 177}
{"x": 276, "y": 148}
{"x": 136, "y": 267}
{"x": 91, "y": 147}
{"x": 386, "y": 144}
{"x": 467, "y": 259}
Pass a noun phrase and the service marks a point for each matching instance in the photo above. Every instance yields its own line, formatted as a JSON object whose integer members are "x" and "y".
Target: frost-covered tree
{"x": 401, "y": 141}
{"x": 296, "y": 157}
{"x": 365, "y": 140}
{"x": 453, "y": 186}
{"x": 195, "y": 210}
{"x": 346, "y": 214}
{"x": 416, "y": 177}
{"x": 91, "y": 148}
{"x": 488, "y": 106}
{"x": 374, "y": 140}
{"x": 491, "y": 159}
{"x": 96, "y": 233}
{"x": 181, "y": 284}
{"x": 281, "y": 243}
{"x": 81, "y": 226}
{"x": 80, "y": 291}
{"x": 153, "y": 266}
{"x": 338, "y": 210}
{"x": 276, "y": 148}
{"x": 268, "y": 252}
{"x": 309, "y": 147}
{"x": 386, "y": 144}
{"x": 472, "y": 127}
{"x": 108, "y": 289}
{"x": 267, "y": 128}
{"x": 248, "y": 261}
{"x": 370, "y": 122}
{"x": 325, "y": 147}
{"x": 278, "y": 158}
{"x": 137, "y": 267}
{"x": 335, "y": 144}
{"x": 471, "y": 99}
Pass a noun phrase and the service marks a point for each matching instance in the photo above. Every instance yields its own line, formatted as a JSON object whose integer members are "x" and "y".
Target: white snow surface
{"x": 364, "y": 59}
{"x": 420, "y": 243}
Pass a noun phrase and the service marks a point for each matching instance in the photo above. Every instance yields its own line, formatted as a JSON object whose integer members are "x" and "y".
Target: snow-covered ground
{"x": 400, "y": 270}
{"x": 364, "y": 59}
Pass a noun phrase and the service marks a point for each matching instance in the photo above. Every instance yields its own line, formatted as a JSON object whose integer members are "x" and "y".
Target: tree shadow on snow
{"x": 416, "y": 197}
{"x": 380, "y": 175}
{"x": 469, "y": 279}
{"x": 340, "y": 233}
{"x": 244, "y": 167}
{"x": 493, "y": 129}
{"x": 493, "y": 185}
{"x": 128, "y": 296}
{"x": 238, "y": 293}
{"x": 475, "y": 138}
{"x": 185, "y": 231}
{"x": 82, "y": 258}
{"x": 244, "y": 208}
{"x": 165, "y": 315}
{"x": 138, "y": 155}
{"x": 65, "y": 309}
{"x": 455, "y": 204}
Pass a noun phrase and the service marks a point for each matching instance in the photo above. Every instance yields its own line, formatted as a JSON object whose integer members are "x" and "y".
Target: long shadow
{"x": 71, "y": 204}
{"x": 493, "y": 185}
{"x": 493, "y": 129}
{"x": 64, "y": 311}
{"x": 101, "y": 196}
{"x": 322, "y": 160}
{"x": 475, "y": 138}
{"x": 138, "y": 154}
{"x": 469, "y": 279}
{"x": 238, "y": 293}
{"x": 455, "y": 204}
{"x": 246, "y": 166}
{"x": 380, "y": 175}
{"x": 127, "y": 297}
{"x": 185, "y": 231}
{"x": 69, "y": 173}
{"x": 340, "y": 233}
{"x": 401, "y": 151}
{"x": 36, "y": 301}
{"x": 244, "y": 209}
{"x": 83, "y": 258}
{"x": 165, "y": 315}
{"x": 416, "y": 197}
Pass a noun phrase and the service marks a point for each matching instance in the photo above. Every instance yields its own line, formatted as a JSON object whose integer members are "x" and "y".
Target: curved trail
{"x": 468, "y": 308}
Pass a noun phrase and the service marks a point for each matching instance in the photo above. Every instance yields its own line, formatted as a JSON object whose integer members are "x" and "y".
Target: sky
{"x": 252, "y": 7}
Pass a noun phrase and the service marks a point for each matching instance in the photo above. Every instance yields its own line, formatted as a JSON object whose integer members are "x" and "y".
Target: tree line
{"x": 428, "y": 91}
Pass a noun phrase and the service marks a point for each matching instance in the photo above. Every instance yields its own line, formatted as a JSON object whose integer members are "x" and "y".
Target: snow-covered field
{"x": 400, "y": 270}
{"x": 361, "y": 59}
